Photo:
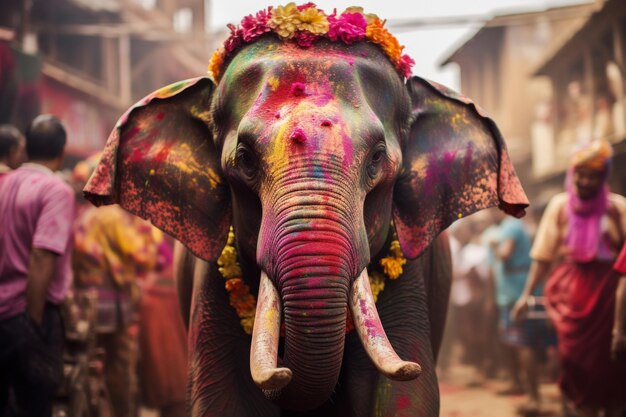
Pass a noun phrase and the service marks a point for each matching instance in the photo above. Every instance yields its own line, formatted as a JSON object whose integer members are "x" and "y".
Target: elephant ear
{"x": 454, "y": 163}
{"x": 160, "y": 163}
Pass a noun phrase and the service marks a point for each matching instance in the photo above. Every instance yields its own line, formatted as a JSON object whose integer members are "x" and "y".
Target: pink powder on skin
{"x": 298, "y": 89}
{"x": 298, "y": 135}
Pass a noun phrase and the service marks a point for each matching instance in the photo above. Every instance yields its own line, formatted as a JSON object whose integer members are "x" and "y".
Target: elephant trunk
{"x": 313, "y": 261}
{"x": 314, "y": 288}
{"x": 309, "y": 261}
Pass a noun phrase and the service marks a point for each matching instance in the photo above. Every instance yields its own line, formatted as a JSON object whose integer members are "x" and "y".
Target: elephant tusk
{"x": 264, "y": 347}
{"x": 370, "y": 330}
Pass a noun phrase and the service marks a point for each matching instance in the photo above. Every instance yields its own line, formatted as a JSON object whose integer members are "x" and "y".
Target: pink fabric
{"x": 36, "y": 211}
{"x": 584, "y": 238}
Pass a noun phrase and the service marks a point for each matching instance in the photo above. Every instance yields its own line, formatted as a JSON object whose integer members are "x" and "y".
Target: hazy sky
{"x": 428, "y": 46}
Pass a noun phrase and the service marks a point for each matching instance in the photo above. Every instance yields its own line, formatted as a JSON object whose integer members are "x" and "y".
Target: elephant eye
{"x": 246, "y": 161}
{"x": 375, "y": 164}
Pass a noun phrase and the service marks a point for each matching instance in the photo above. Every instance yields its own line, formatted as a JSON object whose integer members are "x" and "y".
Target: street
{"x": 460, "y": 397}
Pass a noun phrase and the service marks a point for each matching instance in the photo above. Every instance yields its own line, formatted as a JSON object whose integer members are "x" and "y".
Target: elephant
{"x": 319, "y": 158}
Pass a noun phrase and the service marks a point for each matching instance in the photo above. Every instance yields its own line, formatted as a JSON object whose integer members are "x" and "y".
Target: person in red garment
{"x": 618, "y": 342}
{"x": 581, "y": 233}
{"x": 163, "y": 339}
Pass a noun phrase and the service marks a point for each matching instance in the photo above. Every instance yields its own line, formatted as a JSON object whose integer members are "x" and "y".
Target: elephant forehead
{"x": 338, "y": 64}
{"x": 304, "y": 132}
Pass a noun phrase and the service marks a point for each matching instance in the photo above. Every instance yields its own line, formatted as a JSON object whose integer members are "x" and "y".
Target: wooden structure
{"x": 92, "y": 59}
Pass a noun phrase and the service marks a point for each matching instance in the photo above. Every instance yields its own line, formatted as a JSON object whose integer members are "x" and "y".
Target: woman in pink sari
{"x": 580, "y": 235}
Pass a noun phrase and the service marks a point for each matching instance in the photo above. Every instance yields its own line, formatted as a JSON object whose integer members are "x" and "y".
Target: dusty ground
{"x": 462, "y": 397}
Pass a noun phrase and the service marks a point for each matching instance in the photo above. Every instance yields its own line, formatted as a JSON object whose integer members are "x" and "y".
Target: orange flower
{"x": 378, "y": 34}
{"x": 235, "y": 285}
{"x": 215, "y": 64}
{"x": 244, "y": 305}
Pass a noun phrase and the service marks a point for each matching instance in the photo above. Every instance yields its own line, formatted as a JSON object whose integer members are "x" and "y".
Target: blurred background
{"x": 550, "y": 73}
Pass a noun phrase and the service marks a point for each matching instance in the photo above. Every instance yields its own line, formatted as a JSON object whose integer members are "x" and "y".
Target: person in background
{"x": 490, "y": 239}
{"x": 36, "y": 215}
{"x": 581, "y": 232}
{"x": 618, "y": 341}
{"x": 12, "y": 149}
{"x": 468, "y": 297}
{"x": 162, "y": 339}
{"x": 113, "y": 251}
{"x": 522, "y": 339}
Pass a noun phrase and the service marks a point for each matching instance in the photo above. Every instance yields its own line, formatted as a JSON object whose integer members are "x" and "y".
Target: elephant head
{"x": 310, "y": 153}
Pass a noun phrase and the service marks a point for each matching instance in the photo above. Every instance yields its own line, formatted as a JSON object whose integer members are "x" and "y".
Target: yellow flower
{"x": 285, "y": 20}
{"x": 229, "y": 267}
{"x": 215, "y": 64}
{"x": 376, "y": 32}
{"x": 392, "y": 266}
{"x": 377, "y": 284}
{"x": 395, "y": 249}
{"x": 228, "y": 256}
{"x": 248, "y": 324}
{"x": 231, "y": 236}
{"x": 313, "y": 20}
{"x": 230, "y": 271}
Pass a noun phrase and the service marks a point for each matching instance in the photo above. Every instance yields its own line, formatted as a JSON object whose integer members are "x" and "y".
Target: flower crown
{"x": 305, "y": 24}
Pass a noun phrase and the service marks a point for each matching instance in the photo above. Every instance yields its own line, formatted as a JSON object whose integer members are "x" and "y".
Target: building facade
{"x": 87, "y": 61}
{"x": 498, "y": 68}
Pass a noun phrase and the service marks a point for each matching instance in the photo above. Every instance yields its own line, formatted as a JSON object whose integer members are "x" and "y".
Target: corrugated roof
{"x": 585, "y": 33}
{"x": 523, "y": 18}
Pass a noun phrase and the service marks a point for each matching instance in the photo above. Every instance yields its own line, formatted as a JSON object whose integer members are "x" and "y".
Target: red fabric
{"x": 581, "y": 303}
{"x": 163, "y": 346}
{"x": 620, "y": 264}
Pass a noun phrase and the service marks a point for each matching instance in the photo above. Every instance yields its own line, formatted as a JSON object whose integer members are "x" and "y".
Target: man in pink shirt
{"x": 36, "y": 214}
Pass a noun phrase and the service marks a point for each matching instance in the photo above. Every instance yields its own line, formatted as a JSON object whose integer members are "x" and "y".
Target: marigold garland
{"x": 244, "y": 302}
{"x": 241, "y": 300}
{"x": 305, "y": 24}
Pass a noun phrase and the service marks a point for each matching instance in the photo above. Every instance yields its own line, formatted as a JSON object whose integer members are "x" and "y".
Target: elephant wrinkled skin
{"x": 310, "y": 154}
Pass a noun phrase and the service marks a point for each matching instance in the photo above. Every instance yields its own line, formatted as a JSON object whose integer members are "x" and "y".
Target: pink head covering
{"x": 583, "y": 238}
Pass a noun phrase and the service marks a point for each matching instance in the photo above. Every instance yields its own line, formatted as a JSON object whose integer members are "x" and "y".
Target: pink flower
{"x": 304, "y": 38}
{"x": 235, "y": 39}
{"x": 254, "y": 26}
{"x": 405, "y": 64}
{"x": 349, "y": 27}
{"x": 306, "y": 6}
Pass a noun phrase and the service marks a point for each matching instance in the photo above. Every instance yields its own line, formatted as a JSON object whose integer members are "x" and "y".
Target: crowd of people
{"x": 54, "y": 248}
{"x": 551, "y": 294}
{"x": 522, "y": 294}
